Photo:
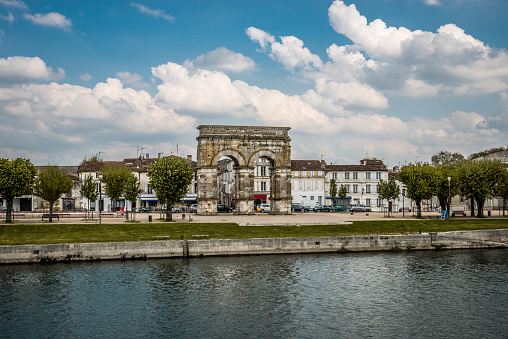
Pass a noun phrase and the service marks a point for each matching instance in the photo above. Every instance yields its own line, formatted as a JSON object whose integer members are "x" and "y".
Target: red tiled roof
{"x": 305, "y": 165}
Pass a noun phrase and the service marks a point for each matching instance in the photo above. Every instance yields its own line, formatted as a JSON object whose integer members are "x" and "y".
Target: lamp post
{"x": 100, "y": 199}
{"x": 449, "y": 196}
{"x": 403, "y": 198}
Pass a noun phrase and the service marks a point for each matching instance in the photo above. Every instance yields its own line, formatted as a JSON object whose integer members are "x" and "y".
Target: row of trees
{"x": 19, "y": 177}
{"x": 476, "y": 180}
{"x": 169, "y": 177}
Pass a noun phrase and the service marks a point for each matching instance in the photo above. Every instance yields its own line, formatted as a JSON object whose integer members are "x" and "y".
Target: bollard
{"x": 183, "y": 215}
{"x": 149, "y": 218}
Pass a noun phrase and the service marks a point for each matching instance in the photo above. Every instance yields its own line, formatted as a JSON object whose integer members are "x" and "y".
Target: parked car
{"x": 322, "y": 208}
{"x": 296, "y": 207}
{"x": 143, "y": 210}
{"x": 360, "y": 208}
{"x": 223, "y": 208}
{"x": 193, "y": 208}
{"x": 310, "y": 204}
{"x": 174, "y": 209}
{"x": 263, "y": 208}
{"x": 341, "y": 208}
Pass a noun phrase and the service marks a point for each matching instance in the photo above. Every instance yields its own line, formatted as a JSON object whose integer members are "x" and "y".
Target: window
{"x": 367, "y": 202}
{"x": 263, "y": 186}
{"x": 355, "y": 188}
{"x": 355, "y": 175}
{"x": 319, "y": 173}
{"x": 378, "y": 202}
{"x": 346, "y": 175}
{"x": 263, "y": 171}
{"x": 311, "y": 173}
{"x": 347, "y": 188}
{"x": 367, "y": 188}
{"x": 378, "y": 175}
{"x": 296, "y": 173}
{"x": 367, "y": 175}
{"x": 304, "y": 173}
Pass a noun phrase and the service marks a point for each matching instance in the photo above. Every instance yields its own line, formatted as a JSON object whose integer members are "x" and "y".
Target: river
{"x": 421, "y": 294}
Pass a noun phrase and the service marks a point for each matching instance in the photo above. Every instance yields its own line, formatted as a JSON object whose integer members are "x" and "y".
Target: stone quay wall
{"x": 258, "y": 246}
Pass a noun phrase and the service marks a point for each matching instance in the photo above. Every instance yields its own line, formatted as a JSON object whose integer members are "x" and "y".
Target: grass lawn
{"x": 25, "y": 234}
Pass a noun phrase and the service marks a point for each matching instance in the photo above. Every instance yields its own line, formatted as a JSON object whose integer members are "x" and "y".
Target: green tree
{"x": 443, "y": 191}
{"x": 479, "y": 180}
{"x": 50, "y": 184}
{"x": 333, "y": 191}
{"x": 89, "y": 189}
{"x": 446, "y": 158}
{"x": 420, "y": 181}
{"x": 342, "y": 195}
{"x": 16, "y": 179}
{"x": 388, "y": 190}
{"x": 115, "y": 178}
{"x": 131, "y": 192}
{"x": 170, "y": 178}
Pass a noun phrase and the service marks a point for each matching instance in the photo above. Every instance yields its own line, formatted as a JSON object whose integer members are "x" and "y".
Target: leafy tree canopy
{"x": 115, "y": 178}
{"x": 333, "y": 190}
{"x": 446, "y": 158}
{"x": 388, "y": 189}
{"x": 170, "y": 178}
{"x": 16, "y": 179}
{"x": 486, "y": 152}
{"x": 50, "y": 184}
{"x": 420, "y": 181}
{"x": 481, "y": 179}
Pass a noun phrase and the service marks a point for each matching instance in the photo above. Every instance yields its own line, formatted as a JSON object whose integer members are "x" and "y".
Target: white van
{"x": 309, "y": 205}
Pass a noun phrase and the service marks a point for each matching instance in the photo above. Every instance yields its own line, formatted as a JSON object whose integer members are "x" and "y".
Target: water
{"x": 452, "y": 294}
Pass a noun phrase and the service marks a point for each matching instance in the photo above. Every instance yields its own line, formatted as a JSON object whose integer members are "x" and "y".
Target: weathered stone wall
{"x": 220, "y": 247}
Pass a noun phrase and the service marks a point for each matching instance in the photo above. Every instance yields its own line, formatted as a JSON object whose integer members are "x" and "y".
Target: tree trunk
{"x": 50, "y": 212}
{"x": 480, "y": 203}
{"x": 8, "y": 213}
{"x": 472, "y": 207}
{"x": 418, "y": 208}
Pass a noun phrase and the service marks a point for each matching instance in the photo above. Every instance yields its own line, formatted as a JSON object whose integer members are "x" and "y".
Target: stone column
{"x": 244, "y": 200}
{"x": 280, "y": 191}
{"x": 207, "y": 195}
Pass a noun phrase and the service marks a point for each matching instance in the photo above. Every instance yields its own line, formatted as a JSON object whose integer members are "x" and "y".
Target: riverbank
{"x": 255, "y": 246}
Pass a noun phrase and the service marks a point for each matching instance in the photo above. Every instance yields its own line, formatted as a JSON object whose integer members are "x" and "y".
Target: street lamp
{"x": 403, "y": 198}
{"x": 100, "y": 198}
{"x": 449, "y": 196}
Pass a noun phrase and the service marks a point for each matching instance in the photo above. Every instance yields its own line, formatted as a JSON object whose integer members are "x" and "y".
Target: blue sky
{"x": 399, "y": 80}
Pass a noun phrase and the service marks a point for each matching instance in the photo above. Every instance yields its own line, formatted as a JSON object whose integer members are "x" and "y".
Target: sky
{"x": 397, "y": 80}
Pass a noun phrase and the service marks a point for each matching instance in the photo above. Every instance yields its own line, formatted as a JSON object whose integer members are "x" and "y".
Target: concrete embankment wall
{"x": 219, "y": 247}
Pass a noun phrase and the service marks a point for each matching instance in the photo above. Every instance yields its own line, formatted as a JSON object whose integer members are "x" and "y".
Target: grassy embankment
{"x": 23, "y": 234}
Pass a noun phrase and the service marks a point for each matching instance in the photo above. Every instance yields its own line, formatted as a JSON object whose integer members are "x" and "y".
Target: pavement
{"x": 257, "y": 219}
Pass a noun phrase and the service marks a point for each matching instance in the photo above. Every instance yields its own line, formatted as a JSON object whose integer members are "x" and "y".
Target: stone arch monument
{"x": 244, "y": 145}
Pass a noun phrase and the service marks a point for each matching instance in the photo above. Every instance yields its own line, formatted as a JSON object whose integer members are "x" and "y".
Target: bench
{"x": 46, "y": 215}
{"x": 200, "y": 236}
{"x": 459, "y": 213}
{"x": 161, "y": 237}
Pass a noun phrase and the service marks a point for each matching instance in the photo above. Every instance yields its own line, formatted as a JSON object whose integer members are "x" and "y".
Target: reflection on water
{"x": 458, "y": 294}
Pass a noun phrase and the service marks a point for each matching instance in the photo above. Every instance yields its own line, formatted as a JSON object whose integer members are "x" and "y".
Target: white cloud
{"x": 222, "y": 59}
{"x": 260, "y": 36}
{"x": 9, "y": 18}
{"x": 156, "y": 13}
{"x": 200, "y": 91}
{"x": 17, "y": 4}
{"x": 85, "y": 77}
{"x": 15, "y": 70}
{"x": 432, "y": 2}
{"x": 52, "y": 19}
{"x": 135, "y": 80}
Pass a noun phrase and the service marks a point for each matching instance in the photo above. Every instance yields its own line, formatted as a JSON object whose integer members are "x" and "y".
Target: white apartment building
{"x": 308, "y": 180}
{"x": 361, "y": 182}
